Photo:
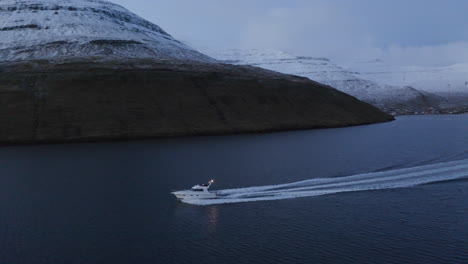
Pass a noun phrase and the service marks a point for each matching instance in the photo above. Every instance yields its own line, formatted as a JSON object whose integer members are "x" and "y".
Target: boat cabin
{"x": 202, "y": 187}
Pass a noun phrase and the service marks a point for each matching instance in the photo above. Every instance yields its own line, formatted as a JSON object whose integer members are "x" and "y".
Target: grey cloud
{"x": 424, "y": 32}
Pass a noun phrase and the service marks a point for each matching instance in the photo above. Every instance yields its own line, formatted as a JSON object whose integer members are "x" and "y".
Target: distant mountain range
{"x": 448, "y": 82}
{"x": 392, "y": 96}
{"x": 448, "y": 79}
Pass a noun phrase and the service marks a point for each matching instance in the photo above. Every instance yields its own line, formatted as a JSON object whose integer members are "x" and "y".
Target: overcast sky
{"x": 419, "y": 32}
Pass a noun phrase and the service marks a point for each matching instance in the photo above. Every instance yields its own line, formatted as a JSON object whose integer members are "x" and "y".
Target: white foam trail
{"x": 401, "y": 178}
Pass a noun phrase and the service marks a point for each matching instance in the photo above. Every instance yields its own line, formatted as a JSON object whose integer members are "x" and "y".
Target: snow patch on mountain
{"x": 37, "y": 29}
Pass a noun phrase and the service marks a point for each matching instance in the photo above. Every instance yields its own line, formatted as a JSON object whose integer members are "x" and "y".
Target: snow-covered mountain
{"x": 37, "y": 29}
{"x": 448, "y": 82}
{"x": 391, "y": 98}
{"x": 448, "y": 79}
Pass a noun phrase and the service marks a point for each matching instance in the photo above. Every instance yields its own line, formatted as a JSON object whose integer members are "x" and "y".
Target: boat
{"x": 199, "y": 191}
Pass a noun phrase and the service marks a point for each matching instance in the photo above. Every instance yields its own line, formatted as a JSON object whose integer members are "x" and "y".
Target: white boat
{"x": 199, "y": 191}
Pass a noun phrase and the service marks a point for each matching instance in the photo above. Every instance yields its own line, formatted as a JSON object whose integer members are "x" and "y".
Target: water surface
{"x": 110, "y": 202}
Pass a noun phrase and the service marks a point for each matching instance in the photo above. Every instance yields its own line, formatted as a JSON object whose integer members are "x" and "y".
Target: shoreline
{"x": 124, "y": 138}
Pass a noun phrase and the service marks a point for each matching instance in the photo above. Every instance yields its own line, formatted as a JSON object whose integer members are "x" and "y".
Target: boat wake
{"x": 401, "y": 178}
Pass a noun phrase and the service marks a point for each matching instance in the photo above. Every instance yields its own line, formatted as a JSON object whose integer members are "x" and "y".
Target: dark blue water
{"x": 110, "y": 203}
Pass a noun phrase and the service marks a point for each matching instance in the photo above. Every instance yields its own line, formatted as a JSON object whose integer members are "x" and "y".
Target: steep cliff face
{"x": 33, "y": 29}
{"x": 390, "y": 98}
{"x": 80, "y": 100}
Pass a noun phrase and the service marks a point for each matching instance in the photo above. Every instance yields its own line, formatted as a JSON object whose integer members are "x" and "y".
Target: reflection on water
{"x": 213, "y": 218}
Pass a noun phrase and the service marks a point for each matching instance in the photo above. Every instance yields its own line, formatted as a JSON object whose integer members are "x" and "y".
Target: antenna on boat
{"x": 210, "y": 182}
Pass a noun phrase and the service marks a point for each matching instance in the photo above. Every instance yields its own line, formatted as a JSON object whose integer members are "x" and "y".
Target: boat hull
{"x": 190, "y": 195}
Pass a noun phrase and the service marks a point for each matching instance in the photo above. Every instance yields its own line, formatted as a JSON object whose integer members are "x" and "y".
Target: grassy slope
{"x": 97, "y": 99}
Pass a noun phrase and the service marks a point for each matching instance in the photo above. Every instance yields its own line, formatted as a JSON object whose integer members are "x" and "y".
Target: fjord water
{"x": 387, "y": 193}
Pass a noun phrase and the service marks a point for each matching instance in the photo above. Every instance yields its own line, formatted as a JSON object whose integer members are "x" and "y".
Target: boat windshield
{"x": 197, "y": 190}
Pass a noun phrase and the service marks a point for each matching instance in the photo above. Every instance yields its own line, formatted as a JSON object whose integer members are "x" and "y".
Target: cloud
{"x": 326, "y": 30}
{"x": 434, "y": 55}
{"x": 319, "y": 29}
{"x": 418, "y": 32}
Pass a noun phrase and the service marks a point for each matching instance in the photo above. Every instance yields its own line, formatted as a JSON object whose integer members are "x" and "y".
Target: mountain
{"x": 80, "y": 70}
{"x": 444, "y": 79}
{"x": 390, "y": 98}
{"x": 32, "y": 29}
{"x": 449, "y": 82}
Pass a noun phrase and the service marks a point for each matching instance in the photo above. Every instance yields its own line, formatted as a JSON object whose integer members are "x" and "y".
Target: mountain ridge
{"x": 390, "y": 98}
{"x": 73, "y": 28}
